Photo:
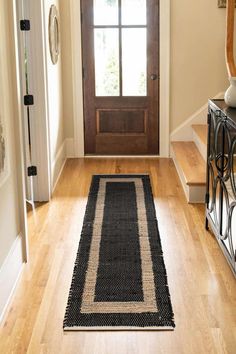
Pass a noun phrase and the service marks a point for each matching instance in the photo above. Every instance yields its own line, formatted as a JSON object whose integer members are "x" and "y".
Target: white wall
{"x": 55, "y": 102}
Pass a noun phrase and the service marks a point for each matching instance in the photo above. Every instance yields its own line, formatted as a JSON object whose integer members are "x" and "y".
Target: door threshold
{"x": 122, "y": 156}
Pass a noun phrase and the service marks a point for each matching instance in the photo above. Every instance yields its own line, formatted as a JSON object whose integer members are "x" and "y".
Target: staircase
{"x": 190, "y": 161}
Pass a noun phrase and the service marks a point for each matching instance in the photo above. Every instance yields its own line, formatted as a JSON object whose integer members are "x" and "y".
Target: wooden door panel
{"x": 121, "y": 121}
{"x": 117, "y": 145}
{"x": 121, "y": 124}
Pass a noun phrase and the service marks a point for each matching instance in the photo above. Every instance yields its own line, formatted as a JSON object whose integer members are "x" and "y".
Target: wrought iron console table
{"x": 221, "y": 177}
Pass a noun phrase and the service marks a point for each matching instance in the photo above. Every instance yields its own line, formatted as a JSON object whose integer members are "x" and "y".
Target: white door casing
{"x": 38, "y": 88}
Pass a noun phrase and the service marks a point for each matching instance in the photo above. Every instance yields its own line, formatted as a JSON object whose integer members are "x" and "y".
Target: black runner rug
{"x": 119, "y": 280}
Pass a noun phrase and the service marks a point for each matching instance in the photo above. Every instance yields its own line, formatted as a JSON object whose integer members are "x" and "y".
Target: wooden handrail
{"x": 230, "y": 62}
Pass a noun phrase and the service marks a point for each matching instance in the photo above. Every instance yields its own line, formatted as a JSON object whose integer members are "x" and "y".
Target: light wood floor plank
{"x": 202, "y": 287}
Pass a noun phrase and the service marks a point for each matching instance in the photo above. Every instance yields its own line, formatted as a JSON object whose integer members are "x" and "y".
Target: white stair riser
{"x": 196, "y": 194}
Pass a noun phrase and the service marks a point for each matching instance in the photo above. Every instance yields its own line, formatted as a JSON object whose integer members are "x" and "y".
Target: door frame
{"x": 164, "y": 98}
{"x": 38, "y": 86}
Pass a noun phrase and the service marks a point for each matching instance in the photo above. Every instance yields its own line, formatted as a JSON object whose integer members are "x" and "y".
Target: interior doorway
{"x": 26, "y": 90}
{"x": 120, "y": 41}
{"x": 33, "y": 90}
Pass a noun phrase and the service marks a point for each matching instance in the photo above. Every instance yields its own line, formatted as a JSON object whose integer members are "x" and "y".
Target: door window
{"x": 120, "y": 47}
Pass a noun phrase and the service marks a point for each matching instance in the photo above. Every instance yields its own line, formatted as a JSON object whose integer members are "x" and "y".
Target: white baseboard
{"x": 65, "y": 152}
{"x": 10, "y": 273}
{"x": 184, "y": 131}
{"x": 58, "y": 164}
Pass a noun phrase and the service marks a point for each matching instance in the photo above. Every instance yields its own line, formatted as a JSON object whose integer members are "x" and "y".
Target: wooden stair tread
{"x": 191, "y": 162}
{"x": 201, "y": 131}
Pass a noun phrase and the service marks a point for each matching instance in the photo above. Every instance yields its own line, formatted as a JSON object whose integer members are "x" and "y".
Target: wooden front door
{"x": 121, "y": 76}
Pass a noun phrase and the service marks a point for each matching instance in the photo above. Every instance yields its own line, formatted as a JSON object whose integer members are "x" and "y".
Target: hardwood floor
{"x": 202, "y": 287}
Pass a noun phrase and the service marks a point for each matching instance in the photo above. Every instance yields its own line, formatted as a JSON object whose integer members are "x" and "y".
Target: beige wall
{"x": 67, "y": 67}
{"x": 198, "y": 70}
{"x": 197, "y": 58}
{"x": 55, "y": 101}
{"x": 9, "y": 202}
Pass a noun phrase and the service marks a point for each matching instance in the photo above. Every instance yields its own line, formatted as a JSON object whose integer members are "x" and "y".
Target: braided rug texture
{"x": 119, "y": 280}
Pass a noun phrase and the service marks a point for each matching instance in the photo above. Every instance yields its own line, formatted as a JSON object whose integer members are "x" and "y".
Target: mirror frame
{"x": 54, "y": 34}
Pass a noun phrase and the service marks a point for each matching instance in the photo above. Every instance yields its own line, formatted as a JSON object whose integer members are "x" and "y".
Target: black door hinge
{"x": 207, "y": 198}
{"x": 32, "y": 171}
{"x": 209, "y": 118}
{"x": 83, "y": 73}
{"x": 25, "y": 25}
{"x": 28, "y": 100}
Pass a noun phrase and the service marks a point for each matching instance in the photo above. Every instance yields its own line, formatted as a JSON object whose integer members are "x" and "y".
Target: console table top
{"x": 220, "y": 104}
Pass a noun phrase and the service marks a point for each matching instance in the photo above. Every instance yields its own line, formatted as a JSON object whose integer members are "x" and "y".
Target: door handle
{"x": 153, "y": 77}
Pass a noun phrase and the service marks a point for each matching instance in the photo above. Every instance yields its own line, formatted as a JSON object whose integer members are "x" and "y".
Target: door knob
{"x": 153, "y": 77}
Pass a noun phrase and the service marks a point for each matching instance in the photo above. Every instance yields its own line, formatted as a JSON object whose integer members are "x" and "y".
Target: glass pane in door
{"x": 105, "y": 12}
{"x": 106, "y": 43}
{"x": 134, "y": 61}
{"x": 134, "y": 12}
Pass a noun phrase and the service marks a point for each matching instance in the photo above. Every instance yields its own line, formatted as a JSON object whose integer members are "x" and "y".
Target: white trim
{"x": 19, "y": 139}
{"x": 184, "y": 131}
{"x": 77, "y": 78}
{"x": 164, "y": 99}
{"x": 40, "y": 131}
{"x": 58, "y": 164}
{"x": 10, "y": 273}
{"x": 22, "y": 82}
{"x": 38, "y": 87}
{"x": 59, "y": 175}
{"x": 180, "y": 174}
